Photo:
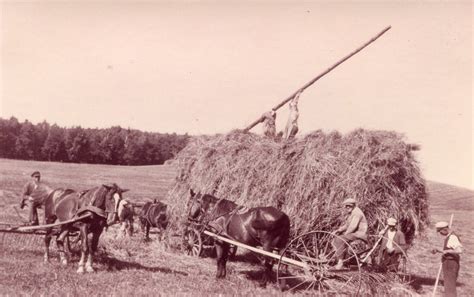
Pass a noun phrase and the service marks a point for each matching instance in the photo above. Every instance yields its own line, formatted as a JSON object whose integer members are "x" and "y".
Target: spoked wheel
{"x": 314, "y": 270}
{"x": 192, "y": 242}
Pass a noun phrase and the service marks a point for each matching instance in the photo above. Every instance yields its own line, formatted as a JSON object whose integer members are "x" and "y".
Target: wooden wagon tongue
{"x": 41, "y": 227}
{"x": 259, "y": 120}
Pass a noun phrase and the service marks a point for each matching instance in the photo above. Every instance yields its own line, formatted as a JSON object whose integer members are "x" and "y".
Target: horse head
{"x": 195, "y": 205}
{"x": 113, "y": 197}
{"x": 201, "y": 204}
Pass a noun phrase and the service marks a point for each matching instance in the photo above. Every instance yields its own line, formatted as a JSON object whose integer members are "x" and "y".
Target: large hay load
{"x": 307, "y": 178}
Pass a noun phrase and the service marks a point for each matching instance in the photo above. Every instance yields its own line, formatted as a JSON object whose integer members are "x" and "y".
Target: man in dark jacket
{"x": 392, "y": 246}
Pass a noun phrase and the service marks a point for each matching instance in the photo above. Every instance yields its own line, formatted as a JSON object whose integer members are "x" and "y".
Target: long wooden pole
{"x": 259, "y": 251}
{"x": 319, "y": 76}
{"x": 41, "y": 227}
{"x": 441, "y": 265}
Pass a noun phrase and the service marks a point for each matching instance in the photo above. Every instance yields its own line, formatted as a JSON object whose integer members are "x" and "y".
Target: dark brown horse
{"x": 153, "y": 215}
{"x": 267, "y": 227}
{"x": 63, "y": 205}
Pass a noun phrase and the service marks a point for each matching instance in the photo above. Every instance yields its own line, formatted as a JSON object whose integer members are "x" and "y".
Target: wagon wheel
{"x": 316, "y": 255}
{"x": 192, "y": 242}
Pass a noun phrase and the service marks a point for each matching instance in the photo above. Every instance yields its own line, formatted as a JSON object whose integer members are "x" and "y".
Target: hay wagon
{"x": 307, "y": 261}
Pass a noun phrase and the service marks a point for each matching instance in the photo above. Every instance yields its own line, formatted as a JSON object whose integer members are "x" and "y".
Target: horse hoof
{"x": 80, "y": 270}
{"x": 90, "y": 269}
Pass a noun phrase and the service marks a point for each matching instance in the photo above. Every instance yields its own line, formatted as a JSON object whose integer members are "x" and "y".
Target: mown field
{"x": 131, "y": 266}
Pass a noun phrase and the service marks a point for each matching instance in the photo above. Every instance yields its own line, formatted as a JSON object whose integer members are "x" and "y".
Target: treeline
{"x": 115, "y": 145}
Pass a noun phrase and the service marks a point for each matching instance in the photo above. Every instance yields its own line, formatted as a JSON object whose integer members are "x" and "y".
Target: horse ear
{"x": 124, "y": 190}
{"x": 191, "y": 192}
{"x": 108, "y": 187}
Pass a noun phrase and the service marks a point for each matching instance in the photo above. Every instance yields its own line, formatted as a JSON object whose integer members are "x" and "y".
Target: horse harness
{"x": 98, "y": 211}
{"x": 238, "y": 210}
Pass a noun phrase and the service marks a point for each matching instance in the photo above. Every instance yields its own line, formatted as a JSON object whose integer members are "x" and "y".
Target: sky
{"x": 202, "y": 67}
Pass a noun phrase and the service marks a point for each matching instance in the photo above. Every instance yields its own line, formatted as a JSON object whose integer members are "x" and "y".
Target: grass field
{"x": 130, "y": 266}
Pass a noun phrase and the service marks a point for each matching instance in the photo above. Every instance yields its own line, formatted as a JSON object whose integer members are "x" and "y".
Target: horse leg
{"x": 47, "y": 241}
{"x": 60, "y": 244}
{"x": 94, "y": 243}
{"x": 48, "y": 237}
{"x": 84, "y": 248}
{"x": 267, "y": 264}
{"x": 147, "y": 231}
{"x": 222, "y": 251}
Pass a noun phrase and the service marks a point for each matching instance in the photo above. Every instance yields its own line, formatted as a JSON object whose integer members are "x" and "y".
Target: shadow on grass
{"x": 113, "y": 264}
{"x": 417, "y": 281}
{"x": 246, "y": 258}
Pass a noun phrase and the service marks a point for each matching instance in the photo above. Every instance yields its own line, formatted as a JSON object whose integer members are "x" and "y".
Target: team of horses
{"x": 104, "y": 205}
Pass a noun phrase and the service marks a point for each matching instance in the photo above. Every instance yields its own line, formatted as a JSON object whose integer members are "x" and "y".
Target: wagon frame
{"x": 304, "y": 264}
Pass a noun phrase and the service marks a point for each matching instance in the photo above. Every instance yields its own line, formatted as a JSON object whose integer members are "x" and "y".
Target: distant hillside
{"x": 444, "y": 196}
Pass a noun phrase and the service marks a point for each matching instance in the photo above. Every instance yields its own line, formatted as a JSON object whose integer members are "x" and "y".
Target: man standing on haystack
{"x": 452, "y": 249}
{"x": 392, "y": 246}
{"x": 268, "y": 119}
{"x": 354, "y": 228}
{"x": 34, "y": 192}
{"x": 292, "y": 125}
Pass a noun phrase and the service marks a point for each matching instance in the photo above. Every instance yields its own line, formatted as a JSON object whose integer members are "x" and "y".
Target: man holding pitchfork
{"x": 452, "y": 249}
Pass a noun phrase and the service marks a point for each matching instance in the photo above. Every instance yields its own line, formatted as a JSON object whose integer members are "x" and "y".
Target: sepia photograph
{"x": 236, "y": 148}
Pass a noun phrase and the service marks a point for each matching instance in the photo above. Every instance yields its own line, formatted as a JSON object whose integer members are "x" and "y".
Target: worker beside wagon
{"x": 34, "y": 194}
{"x": 452, "y": 249}
{"x": 354, "y": 228}
{"x": 392, "y": 246}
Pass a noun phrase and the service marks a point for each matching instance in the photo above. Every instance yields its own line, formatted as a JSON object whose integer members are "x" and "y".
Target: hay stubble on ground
{"x": 131, "y": 267}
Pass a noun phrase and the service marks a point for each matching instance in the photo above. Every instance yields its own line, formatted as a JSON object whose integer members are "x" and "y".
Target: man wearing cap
{"x": 34, "y": 192}
{"x": 452, "y": 249}
{"x": 354, "y": 228}
{"x": 392, "y": 246}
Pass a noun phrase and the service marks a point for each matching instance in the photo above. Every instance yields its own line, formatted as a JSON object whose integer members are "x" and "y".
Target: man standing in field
{"x": 452, "y": 249}
{"x": 392, "y": 246}
{"x": 34, "y": 192}
{"x": 354, "y": 228}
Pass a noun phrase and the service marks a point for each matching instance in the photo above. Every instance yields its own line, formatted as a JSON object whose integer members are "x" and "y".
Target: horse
{"x": 153, "y": 214}
{"x": 66, "y": 204}
{"x": 267, "y": 227}
{"x": 125, "y": 214}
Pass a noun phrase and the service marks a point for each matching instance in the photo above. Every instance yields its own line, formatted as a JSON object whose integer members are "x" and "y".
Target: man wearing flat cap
{"x": 392, "y": 246}
{"x": 34, "y": 193}
{"x": 452, "y": 249}
{"x": 354, "y": 228}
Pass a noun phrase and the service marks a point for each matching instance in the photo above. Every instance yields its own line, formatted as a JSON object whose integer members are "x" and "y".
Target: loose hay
{"x": 307, "y": 178}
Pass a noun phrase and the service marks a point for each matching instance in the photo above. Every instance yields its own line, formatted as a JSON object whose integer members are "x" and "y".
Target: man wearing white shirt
{"x": 392, "y": 246}
{"x": 452, "y": 249}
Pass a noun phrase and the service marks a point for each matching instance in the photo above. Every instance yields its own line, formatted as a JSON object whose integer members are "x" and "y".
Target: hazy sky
{"x": 208, "y": 67}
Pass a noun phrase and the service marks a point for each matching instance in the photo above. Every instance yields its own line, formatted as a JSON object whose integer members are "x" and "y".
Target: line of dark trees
{"x": 115, "y": 145}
